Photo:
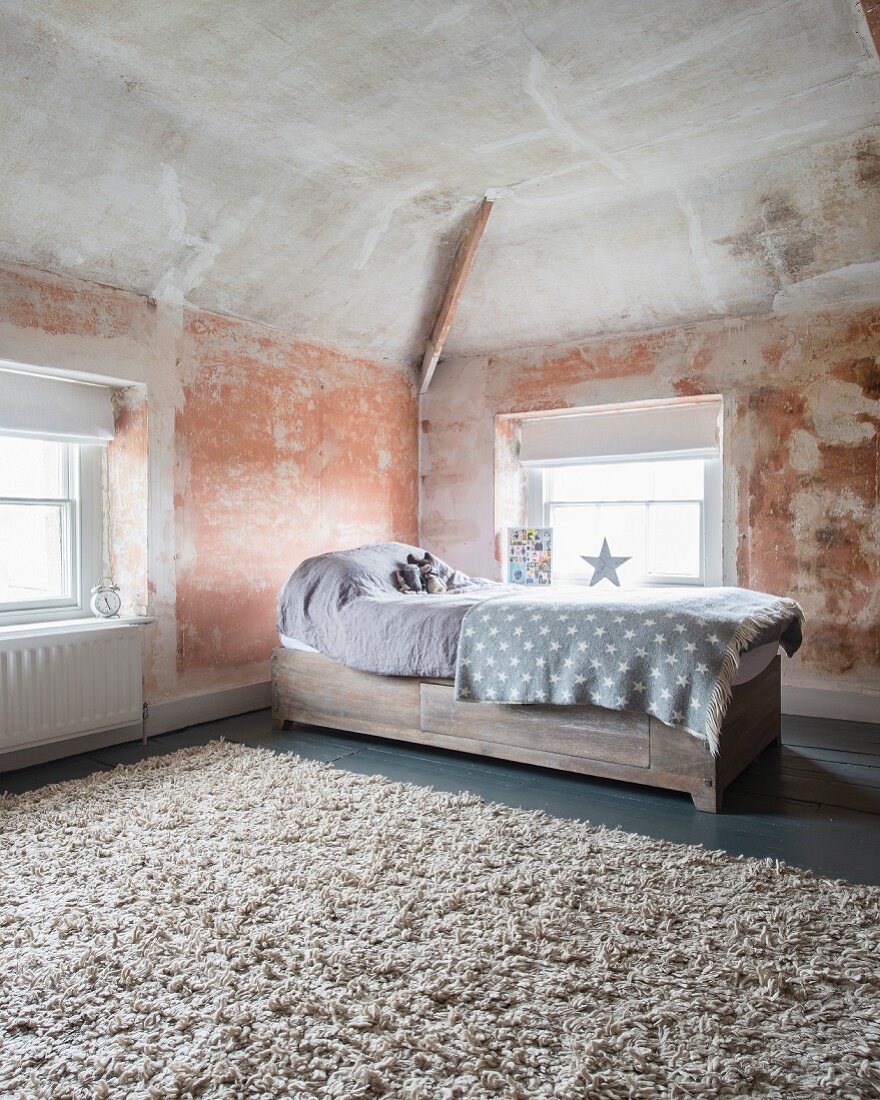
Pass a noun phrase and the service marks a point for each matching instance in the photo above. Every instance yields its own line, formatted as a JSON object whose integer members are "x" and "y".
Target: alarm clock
{"x": 106, "y": 601}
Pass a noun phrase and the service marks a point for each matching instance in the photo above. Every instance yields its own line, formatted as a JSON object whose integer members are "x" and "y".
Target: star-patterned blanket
{"x": 671, "y": 653}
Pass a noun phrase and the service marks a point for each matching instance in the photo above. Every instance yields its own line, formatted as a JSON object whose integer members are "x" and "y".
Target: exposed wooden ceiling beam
{"x": 464, "y": 261}
{"x": 871, "y": 9}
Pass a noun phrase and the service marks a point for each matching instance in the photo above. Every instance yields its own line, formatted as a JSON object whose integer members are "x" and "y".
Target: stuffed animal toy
{"x": 427, "y": 567}
{"x": 409, "y": 579}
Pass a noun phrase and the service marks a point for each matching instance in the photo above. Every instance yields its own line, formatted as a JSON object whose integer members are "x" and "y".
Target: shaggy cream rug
{"x": 228, "y": 922}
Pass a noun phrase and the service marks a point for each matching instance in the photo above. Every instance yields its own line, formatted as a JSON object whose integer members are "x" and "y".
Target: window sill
{"x": 641, "y": 586}
{"x": 69, "y": 626}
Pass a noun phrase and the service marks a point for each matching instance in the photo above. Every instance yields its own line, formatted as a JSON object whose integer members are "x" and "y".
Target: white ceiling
{"x": 311, "y": 164}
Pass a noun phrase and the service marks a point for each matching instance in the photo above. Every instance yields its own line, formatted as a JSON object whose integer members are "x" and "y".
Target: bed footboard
{"x": 310, "y": 689}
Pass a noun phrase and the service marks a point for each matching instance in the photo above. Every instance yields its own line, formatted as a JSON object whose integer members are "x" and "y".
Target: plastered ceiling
{"x": 312, "y": 164}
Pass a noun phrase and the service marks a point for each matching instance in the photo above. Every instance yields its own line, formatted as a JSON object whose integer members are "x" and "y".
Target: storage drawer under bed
{"x": 591, "y": 733}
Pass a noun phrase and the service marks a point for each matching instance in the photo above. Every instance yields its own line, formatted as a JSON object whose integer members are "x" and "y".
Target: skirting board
{"x": 211, "y": 706}
{"x": 846, "y": 706}
{"x": 68, "y": 746}
{"x": 161, "y": 718}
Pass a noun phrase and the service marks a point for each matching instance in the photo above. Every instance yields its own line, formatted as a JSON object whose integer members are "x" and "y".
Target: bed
{"x": 357, "y": 654}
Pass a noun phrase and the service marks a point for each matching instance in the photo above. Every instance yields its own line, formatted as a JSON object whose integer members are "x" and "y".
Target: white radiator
{"x": 58, "y": 683}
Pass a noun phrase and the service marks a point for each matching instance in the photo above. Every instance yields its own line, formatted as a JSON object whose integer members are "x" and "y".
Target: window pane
{"x": 579, "y": 530}
{"x": 31, "y": 468}
{"x": 624, "y": 526}
{"x": 678, "y": 479}
{"x": 574, "y": 531}
{"x": 650, "y": 512}
{"x": 33, "y": 565}
{"x": 674, "y": 539}
{"x": 660, "y": 479}
{"x": 602, "y": 481}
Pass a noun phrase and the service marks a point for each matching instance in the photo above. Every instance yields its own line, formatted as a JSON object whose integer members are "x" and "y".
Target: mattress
{"x": 751, "y": 664}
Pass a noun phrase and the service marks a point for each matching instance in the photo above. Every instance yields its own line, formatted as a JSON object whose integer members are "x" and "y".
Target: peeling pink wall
{"x": 126, "y": 501}
{"x": 239, "y": 451}
{"x": 285, "y": 450}
{"x": 802, "y": 472}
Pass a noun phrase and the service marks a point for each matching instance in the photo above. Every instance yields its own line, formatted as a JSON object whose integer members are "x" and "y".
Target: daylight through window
{"x": 651, "y": 512}
{"x": 644, "y": 476}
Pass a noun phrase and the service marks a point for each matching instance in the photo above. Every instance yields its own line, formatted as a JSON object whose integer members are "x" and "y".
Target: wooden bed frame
{"x": 309, "y": 689}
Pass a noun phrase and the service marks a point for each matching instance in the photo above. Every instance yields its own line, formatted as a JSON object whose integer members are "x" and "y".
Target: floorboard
{"x": 57, "y": 771}
{"x": 827, "y": 733}
{"x": 815, "y": 803}
{"x": 798, "y": 755}
{"x": 808, "y": 788}
{"x": 793, "y": 761}
{"x": 862, "y": 759}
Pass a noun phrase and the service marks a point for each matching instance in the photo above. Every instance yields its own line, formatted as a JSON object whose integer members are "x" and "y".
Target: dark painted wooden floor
{"x": 815, "y": 803}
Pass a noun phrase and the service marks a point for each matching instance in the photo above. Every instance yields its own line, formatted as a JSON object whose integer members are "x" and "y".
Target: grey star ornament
{"x": 605, "y": 566}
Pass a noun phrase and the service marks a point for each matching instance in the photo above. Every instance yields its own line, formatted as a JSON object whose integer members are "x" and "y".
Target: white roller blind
{"x": 41, "y": 407}
{"x": 621, "y": 432}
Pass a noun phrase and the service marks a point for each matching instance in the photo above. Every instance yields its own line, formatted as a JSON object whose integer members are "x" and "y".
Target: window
{"x": 50, "y": 528}
{"x": 650, "y": 511}
{"x": 646, "y": 476}
{"x": 51, "y": 434}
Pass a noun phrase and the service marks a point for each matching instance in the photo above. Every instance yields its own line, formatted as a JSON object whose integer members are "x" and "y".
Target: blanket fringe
{"x": 748, "y": 632}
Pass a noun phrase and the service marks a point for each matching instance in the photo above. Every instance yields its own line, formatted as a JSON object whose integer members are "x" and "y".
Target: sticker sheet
{"x": 529, "y": 555}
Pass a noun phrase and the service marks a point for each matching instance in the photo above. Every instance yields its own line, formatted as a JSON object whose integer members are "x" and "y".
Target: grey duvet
{"x": 347, "y": 606}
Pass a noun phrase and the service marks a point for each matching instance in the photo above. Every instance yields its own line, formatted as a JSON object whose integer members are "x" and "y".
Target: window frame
{"x": 82, "y": 482}
{"x": 540, "y": 506}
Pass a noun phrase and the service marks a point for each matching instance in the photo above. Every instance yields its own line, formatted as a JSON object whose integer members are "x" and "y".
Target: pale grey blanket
{"x": 346, "y": 605}
{"x": 672, "y": 653}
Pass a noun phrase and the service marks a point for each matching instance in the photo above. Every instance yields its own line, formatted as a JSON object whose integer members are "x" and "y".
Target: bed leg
{"x": 281, "y": 723}
{"x": 708, "y": 799}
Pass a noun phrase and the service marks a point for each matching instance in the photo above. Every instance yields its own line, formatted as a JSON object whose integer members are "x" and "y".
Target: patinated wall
{"x": 126, "y": 502}
{"x": 254, "y": 449}
{"x": 239, "y": 451}
{"x": 284, "y": 450}
{"x": 801, "y": 467}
